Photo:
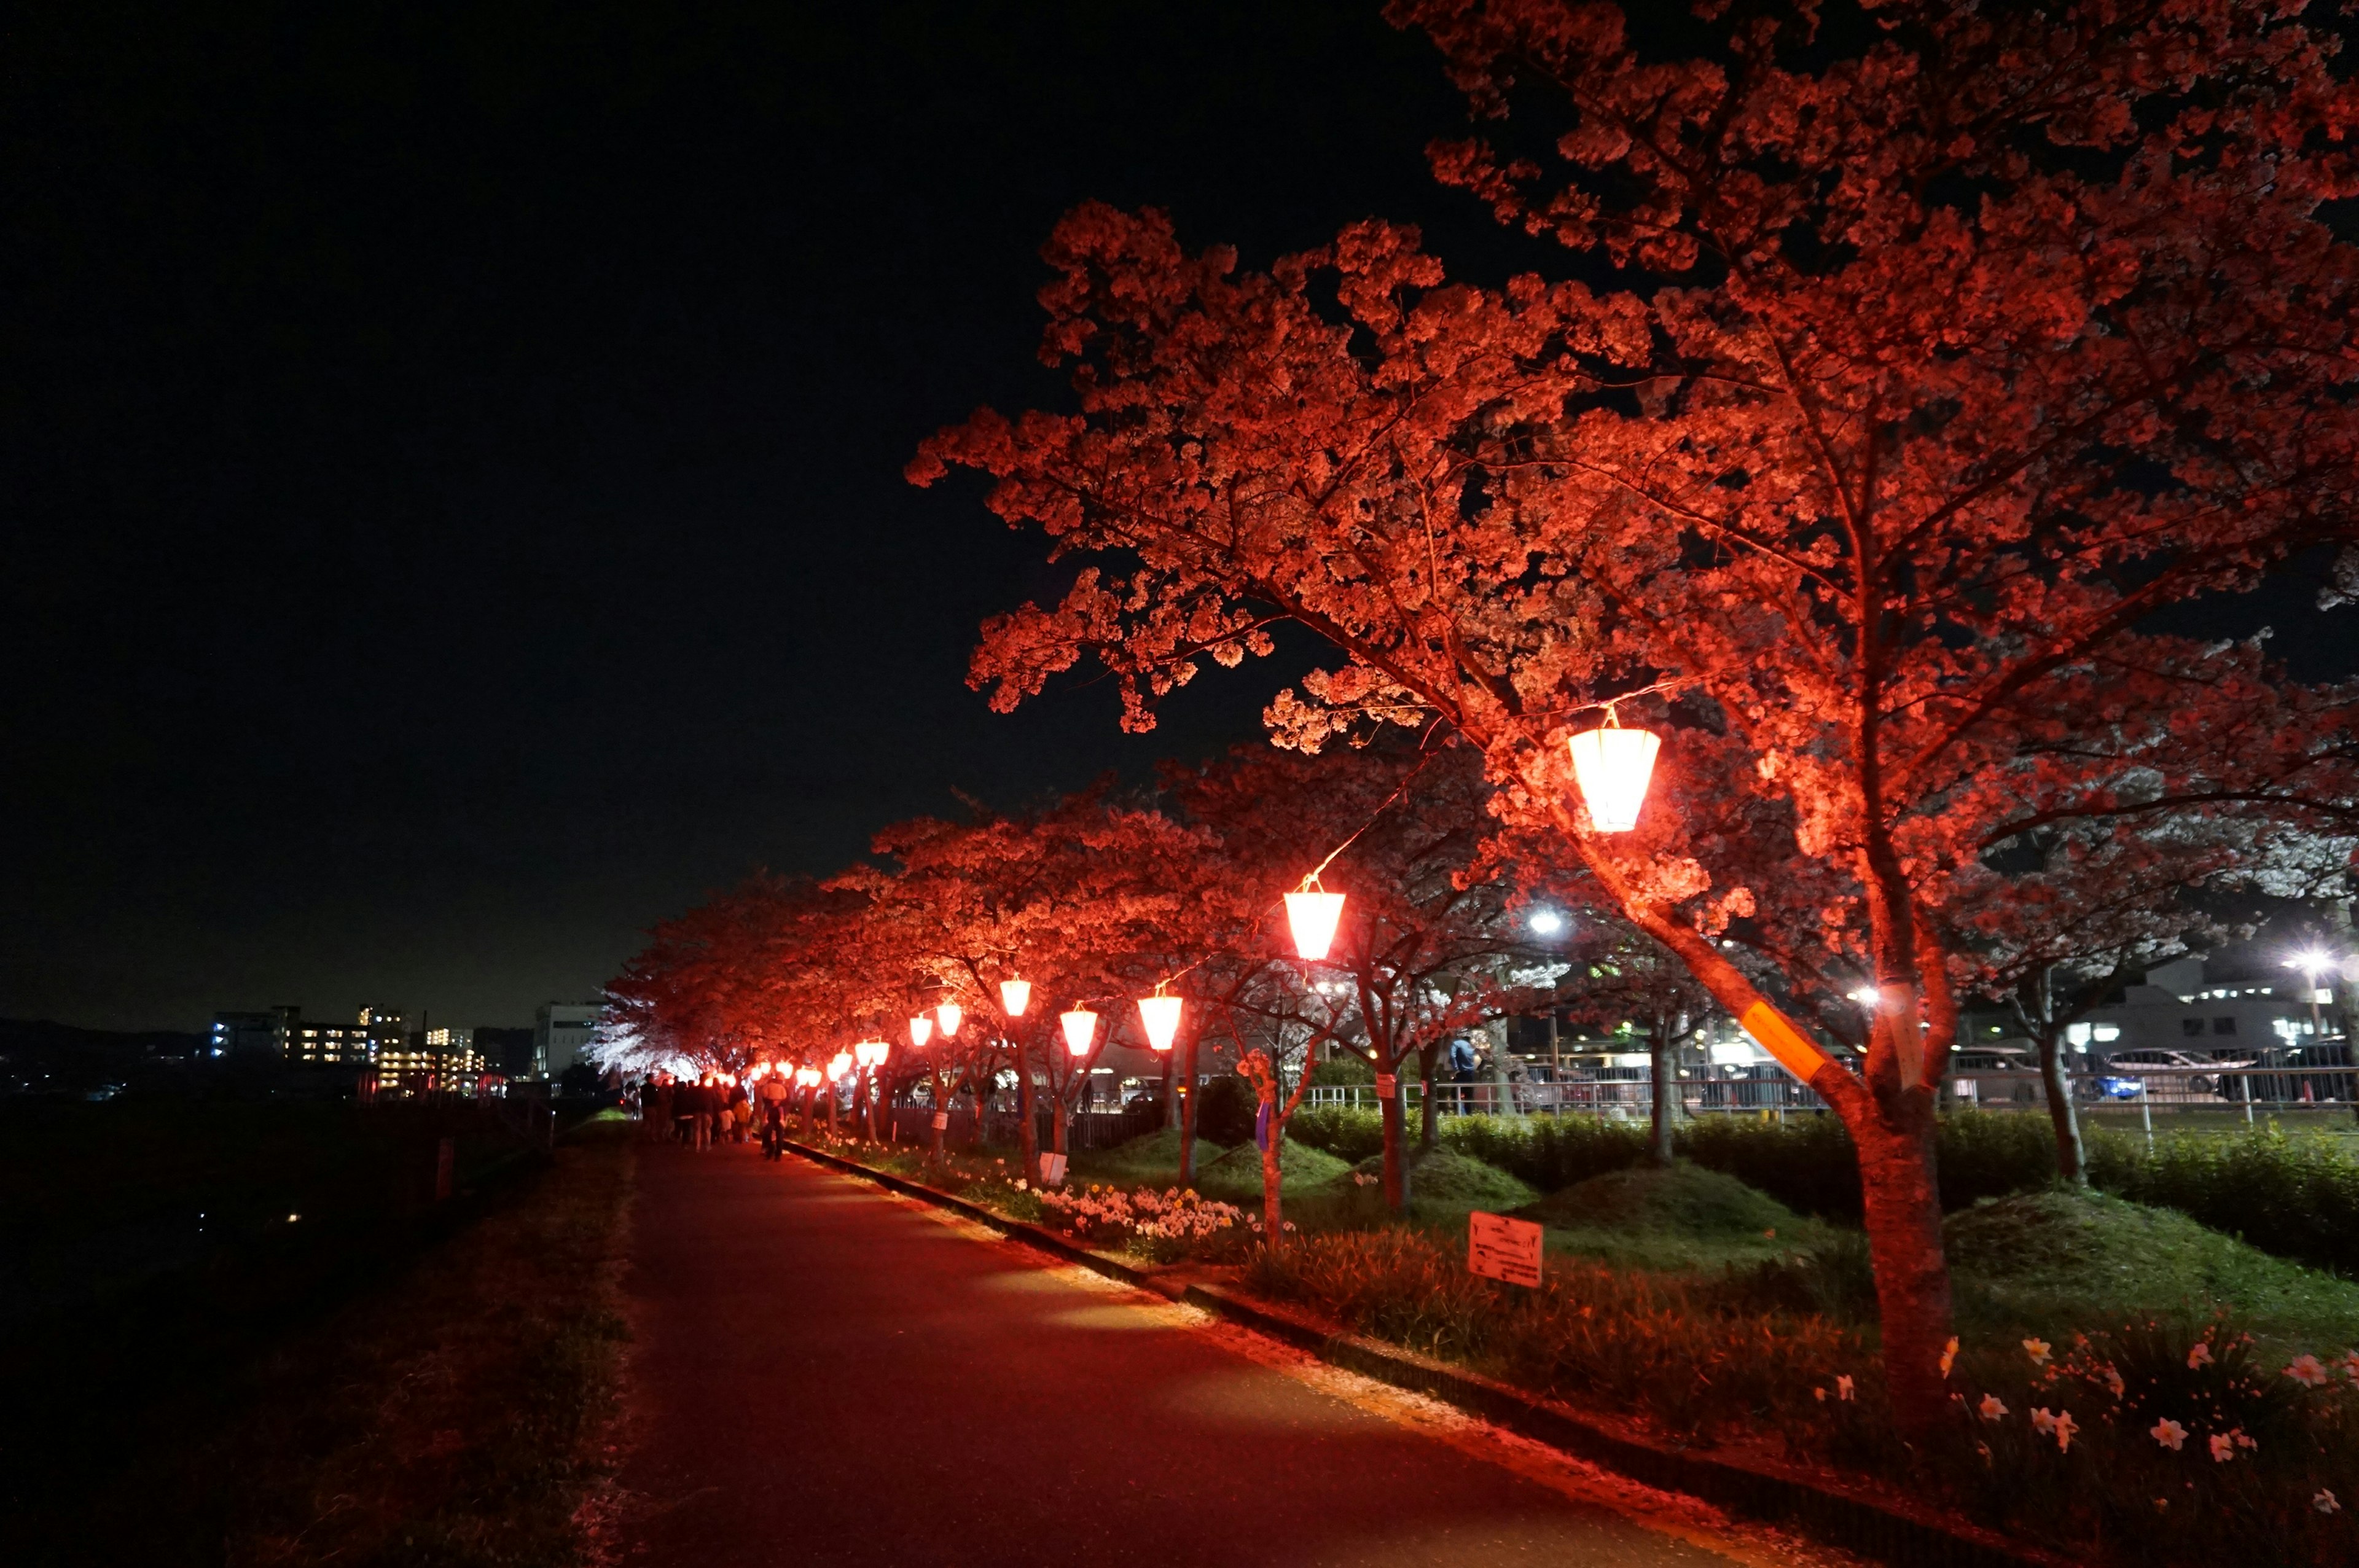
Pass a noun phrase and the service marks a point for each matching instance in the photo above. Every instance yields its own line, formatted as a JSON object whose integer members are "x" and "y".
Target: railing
{"x": 2246, "y": 1092}
{"x": 1618, "y": 1096}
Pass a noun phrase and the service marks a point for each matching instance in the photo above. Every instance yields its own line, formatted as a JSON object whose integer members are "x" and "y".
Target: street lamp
{"x": 1014, "y": 996}
{"x": 1547, "y": 922}
{"x": 922, "y": 1029}
{"x": 1314, "y": 913}
{"x": 1080, "y": 1026}
{"x": 952, "y": 1016}
{"x": 1613, "y": 766}
{"x": 1160, "y": 1014}
{"x": 2313, "y": 962}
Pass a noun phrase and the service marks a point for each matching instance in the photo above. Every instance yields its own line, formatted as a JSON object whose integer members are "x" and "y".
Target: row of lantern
{"x": 1612, "y": 765}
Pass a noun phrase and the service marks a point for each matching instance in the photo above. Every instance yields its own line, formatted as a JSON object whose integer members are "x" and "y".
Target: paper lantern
{"x": 871, "y": 1053}
{"x": 922, "y": 1029}
{"x": 1014, "y": 996}
{"x": 1314, "y": 916}
{"x": 1080, "y": 1028}
{"x": 1613, "y": 766}
{"x": 1160, "y": 1014}
{"x": 839, "y": 1064}
{"x": 952, "y": 1016}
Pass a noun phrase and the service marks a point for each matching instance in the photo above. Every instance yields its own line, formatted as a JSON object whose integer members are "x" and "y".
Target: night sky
{"x": 451, "y": 452}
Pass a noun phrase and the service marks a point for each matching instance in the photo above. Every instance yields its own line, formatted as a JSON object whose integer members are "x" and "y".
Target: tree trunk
{"x": 1171, "y": 1107}
{"x": 1187, "y": 1117}
{"x": 1663, "y": 1068}
{"x": 1899, "y": 1183}
{"x": 936, "y": 1105}
{"x": 1428, "y": 1120}
{"x": 1027, "y": 1134}
{"x": 1396, "y": 1166}
{"x": 2071, "y": 1160}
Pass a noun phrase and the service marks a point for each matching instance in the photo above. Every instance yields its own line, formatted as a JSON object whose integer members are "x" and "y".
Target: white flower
{"x": 2037, "y": 1350}
{"x": 1843, "y": 1386}
{"x": 2114, "y": 1381}
{"x": 1021, "y": 1185}
{"x": 2060, "y": 1426}
{"x": 2308, "y": 1371}
{"x": 2223, "y": 1447}
{"x": 2201, "y": 1355}
{"x": 2324, "y": 1502}
{"x": 2169, "y": 1433}
{"x": 1991, "y": 1406}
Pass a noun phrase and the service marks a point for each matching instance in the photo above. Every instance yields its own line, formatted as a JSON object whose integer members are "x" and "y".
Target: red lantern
{"x": 952, "y": 1016}
{"x": 1014, "y": 996}
{"x": 922, "y": 1029}
{"x": 1613, "y": 766}
{"x": 1080, "y": 1028}
{"x": 1314, "y": 913}
{"x": 1160, "y": 1014}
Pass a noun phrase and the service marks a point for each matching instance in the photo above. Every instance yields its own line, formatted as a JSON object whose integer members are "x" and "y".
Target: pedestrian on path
{"x": 774, "y": 1116}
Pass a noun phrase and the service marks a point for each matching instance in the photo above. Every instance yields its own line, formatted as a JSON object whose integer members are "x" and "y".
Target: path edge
{"x": 1854, "y": 1523}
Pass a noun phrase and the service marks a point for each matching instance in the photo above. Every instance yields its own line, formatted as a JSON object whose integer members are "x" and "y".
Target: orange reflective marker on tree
{"x": 1080, "y": 1028}
{"x": 1160, "y": 1014}
{"x": 952, "y": 1016}
{"x": 1613, "y": 766}
{"x": 1314, "y": 913}
{"x": 1014, "y": 996}
{"x": 922, "y": 1029}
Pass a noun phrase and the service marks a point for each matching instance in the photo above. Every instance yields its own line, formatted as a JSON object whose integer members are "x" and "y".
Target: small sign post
{"x": 1498, "y": 1248}
{"x": 1052, "y": 1169}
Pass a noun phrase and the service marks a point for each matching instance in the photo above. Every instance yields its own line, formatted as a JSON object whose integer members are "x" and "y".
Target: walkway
{"x": 826, "y": 1374}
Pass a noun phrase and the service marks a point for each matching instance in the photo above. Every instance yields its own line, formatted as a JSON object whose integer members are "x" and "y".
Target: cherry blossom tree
{"x": 1915, "y": 370}
{"x": 1427, "y": 947}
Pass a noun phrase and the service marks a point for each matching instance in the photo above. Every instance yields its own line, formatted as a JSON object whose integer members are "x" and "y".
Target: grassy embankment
{"x": 395, "y": 1385}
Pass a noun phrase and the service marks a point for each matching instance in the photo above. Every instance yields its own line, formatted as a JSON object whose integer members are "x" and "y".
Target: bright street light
{"x": 1547, "y": 922}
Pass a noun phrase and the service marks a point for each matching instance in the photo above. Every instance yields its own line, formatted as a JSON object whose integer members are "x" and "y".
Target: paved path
{"x": 826, "y": 1374}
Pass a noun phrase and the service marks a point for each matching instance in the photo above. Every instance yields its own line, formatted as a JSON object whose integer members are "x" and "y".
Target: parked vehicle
{"x": 2175, "y": 1073}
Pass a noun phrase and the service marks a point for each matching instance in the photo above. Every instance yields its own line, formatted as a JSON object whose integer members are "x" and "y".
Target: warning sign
{"x": 1498, "y": 1248}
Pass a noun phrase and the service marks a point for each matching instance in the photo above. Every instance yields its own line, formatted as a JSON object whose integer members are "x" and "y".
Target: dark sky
{"x": 451, "y": 452}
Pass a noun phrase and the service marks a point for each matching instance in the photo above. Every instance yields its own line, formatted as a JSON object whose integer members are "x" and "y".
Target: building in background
{"x": 505, "y": 1051}
{"x": 454, "y": 1053}
{"x": 244, "y": 1034}
{"x": 562, "y": 1033}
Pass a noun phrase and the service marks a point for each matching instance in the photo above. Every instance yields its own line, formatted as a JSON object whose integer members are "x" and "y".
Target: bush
{"x": 1224, "y": 1110}
{"x": 1805, "y": 1162}
{"x": 1349, "y": 1132}
{"x": 1548, "y": 1152}
{"x": 1346, "y": 1069}
{"x": 2297, "y": 1197}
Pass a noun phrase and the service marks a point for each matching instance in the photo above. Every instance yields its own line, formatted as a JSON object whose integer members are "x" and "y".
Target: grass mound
{"x": 1153, "y": 1154}
{"x": 1235, "y": 1176}
{"x": 1682, "y": 1217}
{"x": 1444, "y": 1177}
{"x": 2066, "y": 1260}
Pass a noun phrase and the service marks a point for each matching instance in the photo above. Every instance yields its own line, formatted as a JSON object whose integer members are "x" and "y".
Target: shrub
{"x": 1224, "y": 1110}
{"x": 2297, "y": 1197}
{"x": 1548, "y": 1152}
{"x": 1805, "y": 1162}
{"x": 1349, "y": 1132}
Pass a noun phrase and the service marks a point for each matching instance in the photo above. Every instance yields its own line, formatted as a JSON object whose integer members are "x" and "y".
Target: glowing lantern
{"x": 1160, "y": 1013}
{"x": 807, "y": 1077}
{"x": 871, "y": 1053}
{"x": 952, "y": 1016}
{"x": 922, "y": 1029}
{"x": 1314, "y": 914}
{"x": 1613, "y": 766}
{"x": 1014, "y": 996}
{"x": 1081, "y": 1029}
{"x": 839, "y": 1064}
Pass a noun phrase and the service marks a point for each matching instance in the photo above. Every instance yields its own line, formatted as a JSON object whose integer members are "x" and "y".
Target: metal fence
{"x": 2245, "y": 1092}
{"x": 1088, "y": 1129}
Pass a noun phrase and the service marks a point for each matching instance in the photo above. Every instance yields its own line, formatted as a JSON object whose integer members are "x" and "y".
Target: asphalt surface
{"x": 824, "y": 1374}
